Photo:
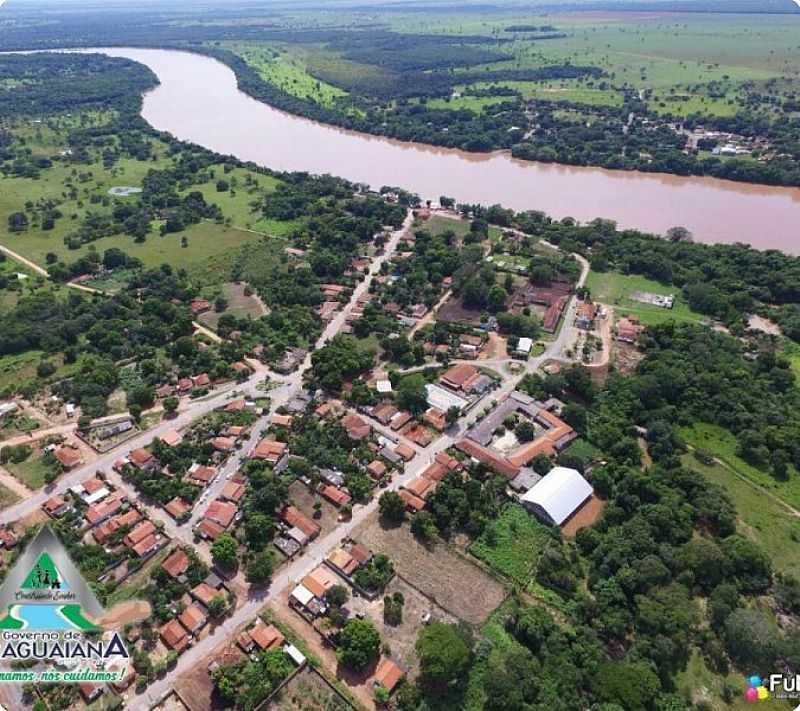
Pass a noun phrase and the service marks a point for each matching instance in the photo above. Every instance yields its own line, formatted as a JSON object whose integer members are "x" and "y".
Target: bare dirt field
{"x": 308, "y": 691}
{"x": 459, "y": 587}
{"x": 239, "y": 305}
{"x": 586, "y": 516}
{"x": 626, "y": 357}
{"x": 454, "y": 311}
{"x": 125, "y": 613}
{"x": 301, "y": 497}
{"x": 402, "y": 638}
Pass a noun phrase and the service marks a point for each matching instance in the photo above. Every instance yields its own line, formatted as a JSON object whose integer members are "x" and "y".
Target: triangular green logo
{"x": 44, "y": 576}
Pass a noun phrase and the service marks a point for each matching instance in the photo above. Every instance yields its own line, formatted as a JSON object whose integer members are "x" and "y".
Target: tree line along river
{"x": 198, "y": 100}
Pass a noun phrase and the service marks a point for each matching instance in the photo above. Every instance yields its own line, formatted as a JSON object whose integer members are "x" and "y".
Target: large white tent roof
{"x": 559, "y": 493}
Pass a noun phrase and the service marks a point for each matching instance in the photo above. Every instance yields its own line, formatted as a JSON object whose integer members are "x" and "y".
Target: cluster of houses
{"x": 109, "y": 518}
{"x": 466, "y": 346}
{"x": 416, "y": 492}
{"x": 309, "y": 599}
{"x": 183, "y": 629}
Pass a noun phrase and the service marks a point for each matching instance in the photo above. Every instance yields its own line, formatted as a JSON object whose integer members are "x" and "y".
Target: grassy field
{"x": 90, "y": 185}
{"x": 701, "y": 684}
{"x": 286, "y": 67}
{"x": 583, "y": 449}
{"x": 722, "y": 445}
{"x": 520, "y": 541}
{"x": 616, "y": 289}
{"x": 762, "y": 519}
{"x": 31, "y": 472}
{"x": 7, "y": 497}
{"x": 15, "y": 369}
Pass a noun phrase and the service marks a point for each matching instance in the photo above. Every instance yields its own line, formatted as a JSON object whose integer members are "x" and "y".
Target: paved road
{"x": 288, "y": 388}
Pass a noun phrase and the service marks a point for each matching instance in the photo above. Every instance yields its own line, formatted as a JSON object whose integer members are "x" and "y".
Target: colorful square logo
{"x": 756, "y": 691}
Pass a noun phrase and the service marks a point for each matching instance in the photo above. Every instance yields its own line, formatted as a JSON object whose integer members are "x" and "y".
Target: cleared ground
{"x": 458, "y": 586}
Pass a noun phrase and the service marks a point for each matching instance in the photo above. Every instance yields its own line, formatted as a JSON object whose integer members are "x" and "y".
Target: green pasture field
{"x": 285, "y": 66}
{"x": 667, "y": 53}
{"x": 616, "y": 289}
{"x": 722, "y": 444}
{"x": 761, "y": 518}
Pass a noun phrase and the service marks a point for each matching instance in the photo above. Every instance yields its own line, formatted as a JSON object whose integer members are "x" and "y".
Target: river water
{"x": 198, "y": 100}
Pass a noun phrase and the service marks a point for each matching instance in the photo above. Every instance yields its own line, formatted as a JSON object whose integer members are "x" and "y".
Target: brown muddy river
{"x": 198, "y": 100}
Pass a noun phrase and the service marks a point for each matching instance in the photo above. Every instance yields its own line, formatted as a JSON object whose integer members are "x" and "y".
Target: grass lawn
{"x": 7, "y": 497}
{"x": 520, "y": 541}
{"x": 21, "y": 367}
{"x": 760, "y": 518}
{"x": 583, "y": 449}
{"x": 31, "y": 472}
{"x": 616, "y": 289}
{"x": 722, "y": 444}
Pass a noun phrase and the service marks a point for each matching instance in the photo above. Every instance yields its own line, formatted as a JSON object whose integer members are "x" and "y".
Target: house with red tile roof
{"x": 233, "y": 491}
{"x": 221, "y": 512}
{"x": 142, "y": 459}
{"x": 282, "y": 420}
{"x": 420, "y": 487}
{"x": 205, "y": 593}
{"x": 174, "y": 636}
{"x": 460, "y": 377}
{"x": 388, "y": 674}
{"x": 235, "y": 406}
{"x": 193, "y": 618}
{"x": 412, "y": 502}
{"x": 357, "y": 429}
{"x": 209, "y": 529}
{"x": 376, "y": 469}
{"x": 270, "y": 451}
{"x": 201, "y": 475}
{"x": 201, "y": 381}
{"x": 266, "y": 636}
{"x": 68, "y": 457}
{"x": 405, "y": 451}
{"x": 435, "y": 418}
{"x": 172, "y": 438}
{"x": 176, "y": 564}
{"x": 293, "y": 517}
{"x": 223, "y": 444}
{"x": 178, "y": 507}
{"x": 336, "y": 496}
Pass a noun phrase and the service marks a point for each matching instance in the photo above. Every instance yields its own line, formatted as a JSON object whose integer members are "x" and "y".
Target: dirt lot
{"x": 454, "y": 311}
{"x": 239, "y": 306}
{"x": 124, "y": 613}
{"x": 626, "y": 357}
{"x": 496, "y": 347}
{"x": 308, "y": 691}
{"x": 459, "y": 587}
{"x": 303, "y": 499}
{"x": 586, "y": 516}
{"x": 401, "y": 639}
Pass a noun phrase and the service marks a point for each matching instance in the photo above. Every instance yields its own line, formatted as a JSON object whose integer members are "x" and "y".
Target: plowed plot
{"x": 459, "y": 587}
